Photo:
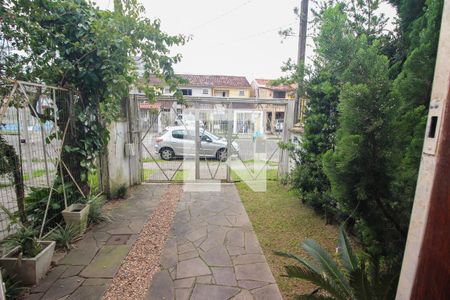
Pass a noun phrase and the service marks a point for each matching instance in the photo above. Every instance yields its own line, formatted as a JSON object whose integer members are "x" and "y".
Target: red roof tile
{"x": 209, "y": 81}
{"x": 266, "y": 83}
{"x": 216, "y": 81}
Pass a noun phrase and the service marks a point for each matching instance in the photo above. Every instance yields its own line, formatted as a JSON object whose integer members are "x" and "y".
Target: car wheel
{"x": 222, "y": 154}
{"x": 166, "y": 154}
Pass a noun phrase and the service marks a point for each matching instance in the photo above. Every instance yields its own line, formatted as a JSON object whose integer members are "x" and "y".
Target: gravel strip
{"x": 142, "y": 262}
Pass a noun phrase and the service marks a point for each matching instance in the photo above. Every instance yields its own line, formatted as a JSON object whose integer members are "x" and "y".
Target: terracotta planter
{"x": 29, "y": 270}
{"x": 77, "y": 216}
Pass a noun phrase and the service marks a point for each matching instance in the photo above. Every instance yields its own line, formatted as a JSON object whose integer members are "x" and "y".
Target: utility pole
{"x": 301, "y": 53}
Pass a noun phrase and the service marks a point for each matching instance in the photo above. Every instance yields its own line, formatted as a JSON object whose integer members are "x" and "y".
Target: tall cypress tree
{"x": 334, "y": 43}
{"x": 411, "y": 90}
{"x": 358, "y": 168}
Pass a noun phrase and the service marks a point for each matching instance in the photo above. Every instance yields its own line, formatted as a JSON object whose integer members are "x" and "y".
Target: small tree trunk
{"x": 16, "y": 170}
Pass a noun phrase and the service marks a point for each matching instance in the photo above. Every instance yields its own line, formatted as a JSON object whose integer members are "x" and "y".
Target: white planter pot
{"x": 29, "y": 270}
{"x": 76, "y": 215}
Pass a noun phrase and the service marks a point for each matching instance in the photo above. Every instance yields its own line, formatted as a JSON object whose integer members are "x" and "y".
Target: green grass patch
{"x": 35, "y": 173}
{"x": 251, "y": 174}
{"x": 269, "y": 163}
{"x": 9, "y": 132}
{"x": 93, "y": 182}
{"x": 179, "y": 176}
{"x": 3, "y": 185}
{"x": 149, "y": 159}
{"x": 282, "y": 223}
{"x": 147, "y": 173}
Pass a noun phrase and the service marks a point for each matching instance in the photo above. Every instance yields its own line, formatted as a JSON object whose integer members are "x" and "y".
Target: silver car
{"x": 179, "y": 141}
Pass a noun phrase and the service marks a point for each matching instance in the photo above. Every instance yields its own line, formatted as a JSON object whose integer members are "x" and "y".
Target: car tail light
{"x": 159, "y": 139}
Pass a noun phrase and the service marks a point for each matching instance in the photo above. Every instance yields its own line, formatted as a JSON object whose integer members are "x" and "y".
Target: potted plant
{"x": 28, "y": 259}
{"x": 76, "y": 215}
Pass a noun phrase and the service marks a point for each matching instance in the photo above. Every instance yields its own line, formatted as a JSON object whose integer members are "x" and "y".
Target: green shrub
{"x": 353, "y": 277}
{"x": 121, "y": 192}
{"x": 13, "y": 287}
{"x": 36, "y": 202}
{"x": 96, "y": 213}
{"x": 64, "y": 236}
{"x": 24, "y": 237}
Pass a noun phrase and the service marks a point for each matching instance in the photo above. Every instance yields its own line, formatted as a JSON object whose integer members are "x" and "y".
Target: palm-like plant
{"x": 353, "y": 277}
{"x": 65, "y": 236}
{"x": 25, "y": 237}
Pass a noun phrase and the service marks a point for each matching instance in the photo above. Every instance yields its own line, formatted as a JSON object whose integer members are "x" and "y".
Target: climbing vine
{"x": 72, "y": 43}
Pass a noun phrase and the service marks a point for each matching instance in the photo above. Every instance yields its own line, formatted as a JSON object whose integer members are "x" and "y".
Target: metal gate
{"x": 209, "y": 138}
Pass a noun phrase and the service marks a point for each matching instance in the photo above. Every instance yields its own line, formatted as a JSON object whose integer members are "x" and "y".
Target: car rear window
{"x": 178, "y": 134}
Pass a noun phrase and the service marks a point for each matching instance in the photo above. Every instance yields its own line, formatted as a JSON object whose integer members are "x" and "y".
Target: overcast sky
{"x": 232, "y": 37}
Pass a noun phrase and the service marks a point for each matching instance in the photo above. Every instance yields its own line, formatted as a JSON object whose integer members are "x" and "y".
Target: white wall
{"x": 196, "y": 91}
{"x": 120, "y": 170}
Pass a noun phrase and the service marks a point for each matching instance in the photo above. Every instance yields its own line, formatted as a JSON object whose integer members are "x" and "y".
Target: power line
{"x": 255, "y": 35}
{"x": 222, "y": 15}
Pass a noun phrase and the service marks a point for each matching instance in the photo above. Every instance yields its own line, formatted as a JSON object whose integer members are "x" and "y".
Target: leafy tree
{"x": 73, "y": 44}
{"x": 353, "y": 277}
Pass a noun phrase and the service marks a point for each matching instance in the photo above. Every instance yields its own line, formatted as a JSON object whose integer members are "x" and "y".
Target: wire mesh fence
{"x": 31, "y": 118}
{"x": 168, "y": 137}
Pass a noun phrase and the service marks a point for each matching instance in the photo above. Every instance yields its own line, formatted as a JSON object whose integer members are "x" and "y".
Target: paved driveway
{"x": 212, "y": 252}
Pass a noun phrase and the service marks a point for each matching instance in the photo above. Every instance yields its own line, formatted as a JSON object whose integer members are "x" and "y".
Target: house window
{"x": 279, "y": 94}
{"x": 205, "y": 92}
{"x": 241, "y": 93}
{"x": 187, "y": 92}
{"x": 221, "y": 93}
{"x": 166, "y": 91}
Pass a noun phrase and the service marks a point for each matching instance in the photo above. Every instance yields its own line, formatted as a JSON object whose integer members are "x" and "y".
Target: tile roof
{"x": 210, "y": 81}
{"x": 266, "y": 83}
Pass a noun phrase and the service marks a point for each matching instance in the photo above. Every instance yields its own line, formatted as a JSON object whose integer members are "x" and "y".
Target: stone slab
{"x": 162, "y": 287}
{"x": 256, "y": 272}
{"x": 49, "y": 279}
{"x": 63, "y": 287}
{"x": 216, "y": 292}
{"x": 213, "y": 252}
{"x": 191, "y": 268}
{"x": 82, "y": 255}
{"x": 72, "y": 271}
{"x": 224, "y": 276}
{"x": 88, "y": 292}
{"x": 107, "y": 261}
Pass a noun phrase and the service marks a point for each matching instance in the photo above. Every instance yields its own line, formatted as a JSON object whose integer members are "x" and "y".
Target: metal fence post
{"x": 229, "y": 137}
{"x": 283, "y": 167}
{"x": 45, "y": 153}
{"x": 197, "y": 142}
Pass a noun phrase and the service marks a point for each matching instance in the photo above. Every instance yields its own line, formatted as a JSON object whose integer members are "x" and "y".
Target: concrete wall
{"x": 265, "y": 93}
{"x": 118, "y": 169}
{"x": 196, "y": 91}
{"x": 232, "y": 92}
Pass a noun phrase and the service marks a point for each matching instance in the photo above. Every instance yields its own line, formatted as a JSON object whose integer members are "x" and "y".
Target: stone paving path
{"x": 86, "y": 271}
{"x": 212, "y": 252}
